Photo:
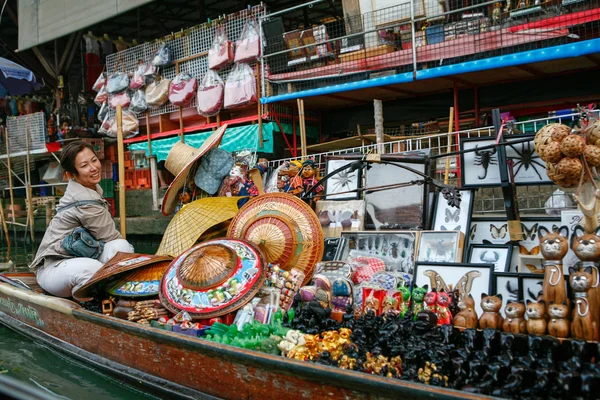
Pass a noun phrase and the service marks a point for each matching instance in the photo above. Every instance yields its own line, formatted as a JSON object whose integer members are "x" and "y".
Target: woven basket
{"x": 285, "y": 228}
{"x": 593, "y": 133}
{"x": 552, "y": 153}
{"x": 542, "y": 138}
{"x": 560, "y": 180}
{"x": 572, "y": 146}
{"x": 558, "y": 131}
{"x": 592, "y": 155}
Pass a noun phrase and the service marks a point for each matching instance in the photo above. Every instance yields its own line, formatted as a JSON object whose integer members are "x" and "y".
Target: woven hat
{"x": 142, "y": 282}
{"x": 214, "y": 166}
{"x": 179, "y": 161}
{"x": 285, "y": 228}
{"x": 213, "y": 278}
{"x": 193, "y": 220}
{"x": 121, "y": 262}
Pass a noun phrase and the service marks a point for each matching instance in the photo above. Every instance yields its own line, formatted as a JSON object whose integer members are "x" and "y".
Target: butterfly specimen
{"x": 529, "y": 234}
{"x": 464, "y": 284}
{"x": 498, "y": 232}
{"x": 456, "y": 228}
{"x": 533, "y": 252}
{"x": 452, "y": 215}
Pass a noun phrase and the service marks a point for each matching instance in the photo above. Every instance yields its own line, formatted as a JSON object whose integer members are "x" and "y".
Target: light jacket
{"x": 95, "y": 218}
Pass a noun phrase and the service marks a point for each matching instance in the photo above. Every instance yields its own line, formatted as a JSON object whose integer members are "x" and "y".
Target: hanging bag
{"x": 220, "y": 53}
{"x": 138, "y": 102}
{"x": 182, "y": 90}
{"x": 162, "y": 56}
{"x": 157, "y": 93}
{"x": 121, "y": 99}
{"x": 210, "y": 94}
{"x": 247, "y": 47}
{"x": 117, "y": 82}
{"x": 138, "y": 80}
{"x": 240, "y": 88}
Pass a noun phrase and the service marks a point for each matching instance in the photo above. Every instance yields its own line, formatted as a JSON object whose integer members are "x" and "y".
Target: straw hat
{"x": 213, "y": 278}
{"x": 285, "y": 228}
{"x": 142, "y": 282}
{"x": 193, "y": 220}
{"x": 180, "y": 160}
{"x": 121, "y": 262}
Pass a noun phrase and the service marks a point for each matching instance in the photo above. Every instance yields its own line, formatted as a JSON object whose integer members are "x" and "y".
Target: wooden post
{"x": 379, "y": 126}
{"x": 181, "y": 123}
{"x": 449, "y": 145}
{"x": 152, "y": 161}
{"x": 5, "y": 228}
{"x": 10, "y": 185}
{"x": 121, "y": 159}
{"x": 260, "y": 132}
{"x": 28, "y": 191}
{"x": 303, "y": 150}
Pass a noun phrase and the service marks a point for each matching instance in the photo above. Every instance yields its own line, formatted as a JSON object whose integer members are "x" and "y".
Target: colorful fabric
{"x": 365, "y": 268}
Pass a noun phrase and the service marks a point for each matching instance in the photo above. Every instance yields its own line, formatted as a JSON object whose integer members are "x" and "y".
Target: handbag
{"x": 80, "y": 242}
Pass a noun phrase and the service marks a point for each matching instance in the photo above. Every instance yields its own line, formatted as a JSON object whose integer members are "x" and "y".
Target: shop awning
{"x": 235, "y": 139}
{"x": 42, "y": 21}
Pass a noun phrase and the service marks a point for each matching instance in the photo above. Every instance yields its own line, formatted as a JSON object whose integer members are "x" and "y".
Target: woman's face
{"x": 88, "y": 168}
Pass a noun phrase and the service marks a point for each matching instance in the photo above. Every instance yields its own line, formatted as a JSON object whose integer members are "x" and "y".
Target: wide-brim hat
{"x": 214, "y": 166}
{"x": 213, "y": 278}
{"x": 142, "y": 282}
{"x": 120, "y": 263}
{"x": 285, "y": 228}
{"x": 180, "y": 160}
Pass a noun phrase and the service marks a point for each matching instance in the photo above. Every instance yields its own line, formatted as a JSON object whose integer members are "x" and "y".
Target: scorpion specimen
{"x": 526, "y": 157}
{"x": 485, "y": 158}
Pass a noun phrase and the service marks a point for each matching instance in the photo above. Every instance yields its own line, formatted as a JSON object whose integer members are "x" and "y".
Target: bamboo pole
{"x": 5, "y": 228}
{"x": 378, "y": 106}
{"x": 121, "y": 159}
{"x": 303, "y": 150}
{"x": 449, "y": 146}
{"x": 153, "y": 167}
{"x": 28, "y": 190}
{"x": 10, "y": 183}
{"x": 260, "y": 131}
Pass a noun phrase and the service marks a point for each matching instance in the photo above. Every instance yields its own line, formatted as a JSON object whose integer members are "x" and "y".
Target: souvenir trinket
{"x": 389, "y": 305}
{"x": 536, "y": 317}
{"x": 403, "y": 296}
{"x": 583, "y": 325}
{"x": 554, "y": 246}
{"x": 558, "y": 323}
{"x": 430, "y": 301}
{"x": 124, "y": 306}
{"x": 587, "y": 248}
{"x": 515, "y": 318}
{"x": 342, "y": 293}
{"x": 467, "y": 317}
{"x": 442, "y": 308}
{"x": 306, "y": 179}
{"x": 491, "y": 317}
{"x": 418, "y": 296}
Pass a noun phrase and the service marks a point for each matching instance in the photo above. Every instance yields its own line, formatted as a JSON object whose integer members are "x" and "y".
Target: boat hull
{"x": 190, "y": 367}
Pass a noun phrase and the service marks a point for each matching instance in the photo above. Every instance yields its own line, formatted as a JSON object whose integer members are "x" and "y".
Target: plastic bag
{"x": 101, "y": 97}
{"x": 107, "y": 123}
{"x": 121, "y": 99}
{"x": 247, "y": 47}
{"x": 240, "y": 88}
{"x": 558, "y": 201}
{"x": 210, "y": 94}
{"x": 157, "y": 93}
{"x": 138, "y": 80}
{"x": 101, "y": 81}
{"x": 131, "y": 125}
{"x": 182, "y": 90}
{"x": 162, "y": 56}
{"x": 220, "y": 53}
{"x": 103, "y": 111}
{"x": 138, "y": 102}
{"x": 117, "y": 82}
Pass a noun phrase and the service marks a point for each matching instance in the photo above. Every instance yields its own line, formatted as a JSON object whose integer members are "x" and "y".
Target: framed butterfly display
{"x": 528, "y": 259}
{"x": 340, "y": 184}
{"x": 479, "y": 167}
{"x": 497, "y": 254}
{"x": 440, "y": 246}
{"x": 509, "y": 286}
{"x": 488, "y": 231}
{"x": 528, "y": 167}
{"x": 446, "y": 218}
{"x": 467, "y": 278}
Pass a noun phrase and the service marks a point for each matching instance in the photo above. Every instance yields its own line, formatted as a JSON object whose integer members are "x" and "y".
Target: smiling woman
{"x": 82, "y": 236}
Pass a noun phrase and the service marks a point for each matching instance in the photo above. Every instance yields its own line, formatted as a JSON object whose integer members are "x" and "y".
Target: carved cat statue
{"x": 491, "y": 317}
{"x": 587, "y": 248}
{"x": 536, "y": 314}
{"x": 467, "y": 317}
{"x": 558, "y": 324}
{"x": 515, "y": 318}
{"x": 583, "y": 325}
{"x": 554, "y": 246}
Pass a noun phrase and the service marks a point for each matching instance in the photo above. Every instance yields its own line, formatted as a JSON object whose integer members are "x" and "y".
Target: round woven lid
{"x": 285, "y": 228}
{"x": 144, "y": 281}
{"x": 213, "y": 278}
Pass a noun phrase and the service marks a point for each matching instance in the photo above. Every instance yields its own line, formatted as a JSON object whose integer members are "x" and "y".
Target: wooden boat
{"x": 180, "y": 366}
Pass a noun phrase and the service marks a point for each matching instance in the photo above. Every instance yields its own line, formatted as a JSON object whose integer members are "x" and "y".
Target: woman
{"x": 58, "y": 271}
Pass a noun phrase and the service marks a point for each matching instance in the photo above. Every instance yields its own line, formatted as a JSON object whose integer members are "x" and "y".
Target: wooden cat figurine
{"x": 558, "y": 325}
{"x": 583, "y": 325}
{"x": 587, "y": 248}
{"x": 536, "y": 314}
{"x": 467, "y": 317}
{"x": 491, "y": 317}
{"x": 554, "y": 246}
{"x": 515, "y": 318}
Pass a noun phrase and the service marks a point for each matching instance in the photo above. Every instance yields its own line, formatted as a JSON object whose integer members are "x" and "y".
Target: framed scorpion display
{"x": 479, "y": 167}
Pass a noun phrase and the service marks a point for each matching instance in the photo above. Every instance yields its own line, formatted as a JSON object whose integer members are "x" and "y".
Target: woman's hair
{"x": 69, "y": 153}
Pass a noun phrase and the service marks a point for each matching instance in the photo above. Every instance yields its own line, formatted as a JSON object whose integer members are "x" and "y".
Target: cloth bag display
{"x": 157, "y": 93}
{"x": 210, "y": 94}
{"x": 163, "y": 56}
{"x": 101, "y": 81}
{"x": 101, "y": 96}
{"x": 182, "y": 90}
{"x": 138, "y": 80}
{"x": 117, "y": 82}
{"x": 220, "y": 53}
{"x": 138, "y": 102}
{"x": 121, "y": 99}
{"x": 247, "y": 47}
{"x": 240, "y": 88}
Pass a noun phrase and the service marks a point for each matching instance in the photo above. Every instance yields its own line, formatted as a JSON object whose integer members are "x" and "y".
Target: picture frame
{"x": 531, "y": 286}
{"x": 450, "y": 218}
{"x": 332, "y": 246}
{"x": 440, "y": 246}
{"x": 342, "y": 182}
{"x": 338, "y": 216}
{"x": 528, "y": 258}
{"x": 508, "y": 285}
{"x": 498, "y": 254}
{"x": 476, "y": 278}
{"x": 397, "y": 249}
{"x": 528, "y": 167}
{"x": 479, "y": 169}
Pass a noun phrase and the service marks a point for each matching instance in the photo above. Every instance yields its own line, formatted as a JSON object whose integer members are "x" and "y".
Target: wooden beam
{"x": 67, "y": 51}
{"x": 344, "y": 98}
{"x": 530, "y": 70}
{"x": 45, "y": 63}
{"x": 396, "y": 90}
{"x": 458, "y": 80}
{"x": 73, "y": 51}
{"x": 593, "y": 58}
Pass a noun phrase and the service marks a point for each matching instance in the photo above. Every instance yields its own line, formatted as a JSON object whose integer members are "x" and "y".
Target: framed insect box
{"x": 509, "y": 286}
{"x": 332, "y": 246}
{"x": 531, "y": 286}
{"x": 479, "y": 167}
{"x": 467, "y": 278}
{"x": 488, "y": 230}
{"x": 343, "y": 185}
{"x": 339, "y": 216}
{"x": 440, "y": 246}
{"x": 395, "y": 248}
{"x": 528, "y": 258}
{"x": 528, "y": 167}
{"x": 446, "y": 218}
{"x": 498, "y": 254}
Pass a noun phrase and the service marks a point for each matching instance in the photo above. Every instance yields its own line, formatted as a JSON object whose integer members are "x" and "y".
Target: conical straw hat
{"x": 121, "y": 262}
{"x": 213, "y": 278}
{"x": 193, "y": 220}
{"x": 285, "y": 228}
{"x": 180, "y": 160}
{"x": 144, "y": 281}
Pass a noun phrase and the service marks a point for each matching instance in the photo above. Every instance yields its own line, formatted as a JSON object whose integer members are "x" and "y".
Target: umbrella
{"x": 17, "y": 80}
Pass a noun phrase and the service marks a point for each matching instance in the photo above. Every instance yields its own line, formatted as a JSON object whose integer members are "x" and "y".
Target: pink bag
{"x": 210, "y": 94}
{"x": 220, "y": 53}
{"x": 137, "y": 80}
{"x": 101, "y": 81}
{"x": 119, "y": 99}
{"x": 182, "y": 90}
{"x": 247, "y": 47}
{"x": 102, "y": 96}
{"x": 240, "y": 88}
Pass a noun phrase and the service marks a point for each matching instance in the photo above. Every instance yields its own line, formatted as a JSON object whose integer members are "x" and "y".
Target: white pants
{"x": 64, "y": 278}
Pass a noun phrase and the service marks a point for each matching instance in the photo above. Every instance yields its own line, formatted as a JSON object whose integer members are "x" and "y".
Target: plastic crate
{"x": 107, "y": 169}
{"x": 108, "y": 186}
{"x": 110, "y": 152}
{"x": 97, "y": 145}
{"x": 112, "y": 206}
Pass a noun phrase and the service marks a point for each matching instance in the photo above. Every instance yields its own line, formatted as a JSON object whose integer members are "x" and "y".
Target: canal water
{"x": 48, "y": 370}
